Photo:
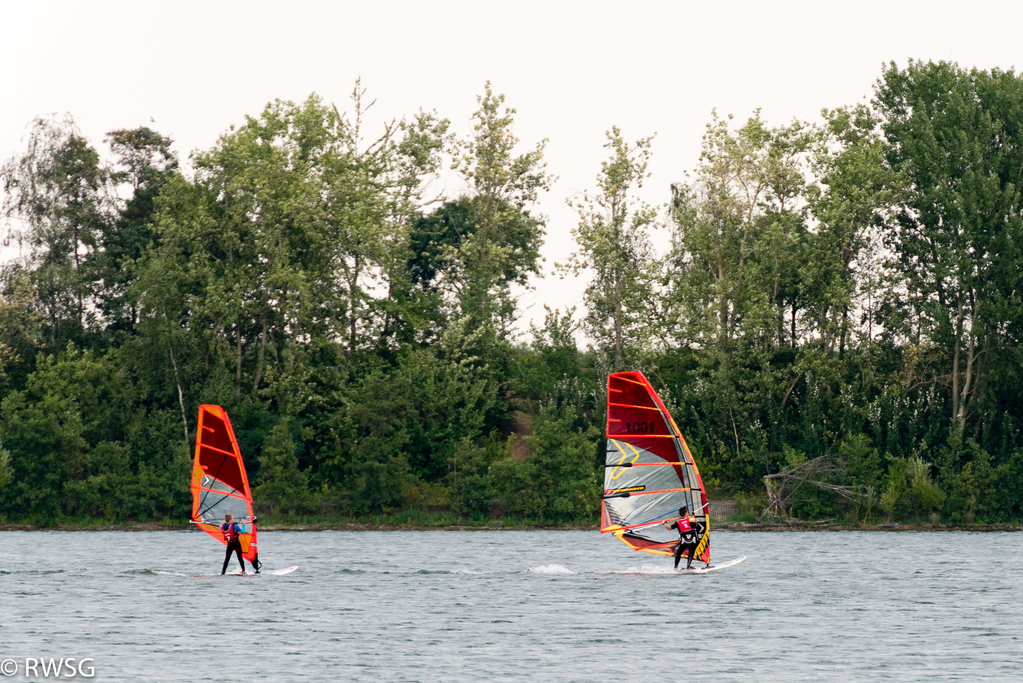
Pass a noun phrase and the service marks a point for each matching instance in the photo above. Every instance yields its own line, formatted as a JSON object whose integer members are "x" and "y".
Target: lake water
{"x": 516, "y": 606}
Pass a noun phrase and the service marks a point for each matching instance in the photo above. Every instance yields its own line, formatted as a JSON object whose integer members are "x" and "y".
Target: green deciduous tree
{"x": 613, "y": 236}
{"x": 281, "y": 485}
{"x": 955, "y": 134}
{"x": 553, "y": 370}
{"x": 57, "y": 204}
{"x": 20, "y": 325}
{"x": 852, "y": 202}
{"x": 732, "y": 286}
{"x": 502, "y": 247}
{"x": 144, "y": 163}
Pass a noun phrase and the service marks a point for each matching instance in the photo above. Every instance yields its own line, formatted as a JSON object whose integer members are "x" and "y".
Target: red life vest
{"x": 228, "y": 530}
{"x": 684, "y": 527}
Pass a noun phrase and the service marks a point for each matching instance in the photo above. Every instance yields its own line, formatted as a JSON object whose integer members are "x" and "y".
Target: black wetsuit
{"x": 234, "y": 545}
{"x": 689, "y": 539}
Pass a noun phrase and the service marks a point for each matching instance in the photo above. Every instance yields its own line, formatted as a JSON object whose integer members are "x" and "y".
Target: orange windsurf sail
{"x": 219, "y": 482}
{"x": 649, "y": 472}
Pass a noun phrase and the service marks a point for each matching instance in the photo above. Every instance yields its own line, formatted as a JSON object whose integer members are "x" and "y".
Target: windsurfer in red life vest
{"x": 232, "y": 534}
{"x": 689, "y": 535}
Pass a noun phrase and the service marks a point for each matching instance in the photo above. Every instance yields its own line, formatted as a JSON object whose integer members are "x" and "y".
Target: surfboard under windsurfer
{"x": 689, "y": 531}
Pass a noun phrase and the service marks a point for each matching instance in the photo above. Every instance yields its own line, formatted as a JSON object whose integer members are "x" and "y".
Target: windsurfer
{"x": 689, "y": 531}
{"x": 232, "y": 534}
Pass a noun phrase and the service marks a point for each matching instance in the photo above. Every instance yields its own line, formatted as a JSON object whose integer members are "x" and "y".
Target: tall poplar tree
{"x": 613, "y": 236}
{"x": 503, "y": 246}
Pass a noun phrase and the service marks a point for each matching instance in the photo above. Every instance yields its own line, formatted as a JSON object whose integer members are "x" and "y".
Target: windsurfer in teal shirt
{"x": 232, "y": 534}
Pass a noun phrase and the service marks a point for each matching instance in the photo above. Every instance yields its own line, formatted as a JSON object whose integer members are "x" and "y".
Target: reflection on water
{"x": 516, "y": 606}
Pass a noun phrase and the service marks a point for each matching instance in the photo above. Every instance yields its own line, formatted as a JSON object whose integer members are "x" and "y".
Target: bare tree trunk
{"x": 262, "y": 354}
{"x": 773, "y": 500}
{"x": 618, "y": 324}
{"x": 238, "y": 355}
{"x": 788, "y": 392}
{"x": 352, "y": 304}
{"x": 978, "y": 384}
{"x": 177, "y": 379}
{"x": 955, "y": 359}
{"x": 386, "y": 330}
{"x": 793, "y": 324}
{"x": 843, "y": 330}
{"x": 735, "y": 431}
{"x": 968, "y": 380}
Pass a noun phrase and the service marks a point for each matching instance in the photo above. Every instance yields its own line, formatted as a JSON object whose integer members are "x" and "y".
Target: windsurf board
{"x": 712, "y": 568}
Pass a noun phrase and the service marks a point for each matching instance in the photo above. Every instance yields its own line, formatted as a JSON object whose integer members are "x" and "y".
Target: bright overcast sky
{"x": 571, "y": 69}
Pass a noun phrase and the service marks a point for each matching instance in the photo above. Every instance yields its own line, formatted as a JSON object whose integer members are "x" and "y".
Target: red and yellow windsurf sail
{"x": 649, "y": 472}
{"x": 219, "y": 482}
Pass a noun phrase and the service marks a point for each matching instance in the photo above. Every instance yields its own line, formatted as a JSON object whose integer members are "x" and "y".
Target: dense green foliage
{"x": 848, "y": 288}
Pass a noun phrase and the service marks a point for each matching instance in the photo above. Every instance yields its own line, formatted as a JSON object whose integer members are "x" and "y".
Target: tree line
{"x": 845, "y": 290}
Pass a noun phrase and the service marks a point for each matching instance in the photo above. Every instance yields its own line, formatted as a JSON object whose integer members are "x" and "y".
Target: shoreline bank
{"x": 498, "y": 526}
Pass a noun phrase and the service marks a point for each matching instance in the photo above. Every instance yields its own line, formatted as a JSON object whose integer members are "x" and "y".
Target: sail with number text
{"x": 649, "y": 472}
{"x": 219, "y": 482}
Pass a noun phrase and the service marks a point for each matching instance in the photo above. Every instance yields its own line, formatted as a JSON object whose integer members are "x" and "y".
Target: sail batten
{"x": 629, "y": 405}
{"x": 649, "y": 472}
{"x": 220, "y": 484}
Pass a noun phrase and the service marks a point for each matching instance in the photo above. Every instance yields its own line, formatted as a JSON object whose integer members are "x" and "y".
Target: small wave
{"x": 160, "y": 572}
{"x": 462, "y": 572}
{"x": 180, "y": 575}
{"x": 550, "y": 569}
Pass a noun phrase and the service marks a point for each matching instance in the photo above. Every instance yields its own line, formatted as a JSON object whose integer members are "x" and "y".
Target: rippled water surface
{"x": 513, "y": 606}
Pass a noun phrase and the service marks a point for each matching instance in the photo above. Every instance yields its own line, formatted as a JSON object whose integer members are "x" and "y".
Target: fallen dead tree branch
{"x": 783, "y": 486}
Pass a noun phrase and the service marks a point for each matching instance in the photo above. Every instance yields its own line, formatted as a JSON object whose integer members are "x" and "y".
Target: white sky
{"x": 571, "y": 69}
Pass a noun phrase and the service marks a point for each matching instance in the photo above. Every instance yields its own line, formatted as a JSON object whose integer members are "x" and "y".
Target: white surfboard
{"x": 712, "y": 568}
{"x": 281, "y": 572}
{"x": 269, "y": 572}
